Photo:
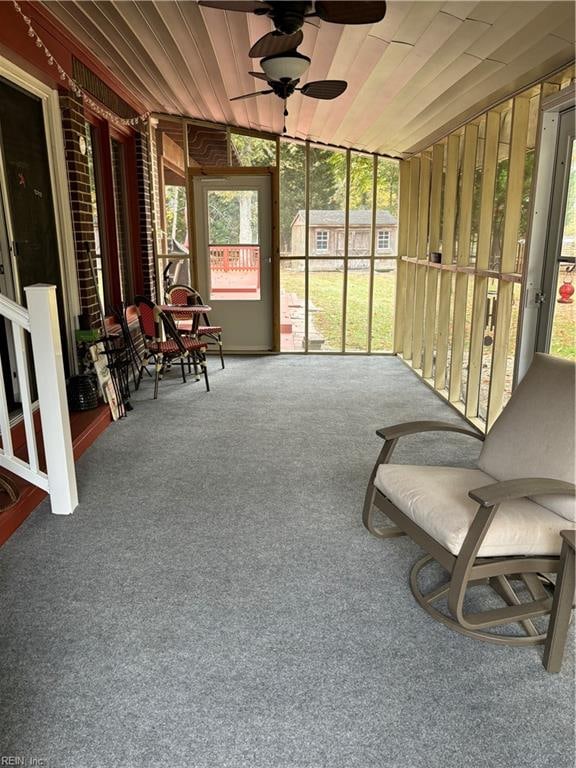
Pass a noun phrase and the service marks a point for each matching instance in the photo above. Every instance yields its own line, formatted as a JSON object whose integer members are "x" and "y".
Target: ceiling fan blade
{"x": 275, "y": 42}
{"x": 259, "y": 75}
{"x": 324, "y": 89}
{"x": 251, "y": 6}
{"x": 350, "y": 12}
{"x": 249, "y": 95}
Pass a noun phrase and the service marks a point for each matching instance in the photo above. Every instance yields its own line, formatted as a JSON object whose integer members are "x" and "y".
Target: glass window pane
{"x": 233, "y": 241}
{"x": 326, "y": 283}
{"x": 383, "y": 305}
{"x": 292, "y": 306}
{"x": 233, "y": 217}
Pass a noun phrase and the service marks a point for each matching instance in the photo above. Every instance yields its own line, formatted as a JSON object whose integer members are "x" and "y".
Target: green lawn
{"x": 563, "y": 341}
{"x": 326, "y": 289}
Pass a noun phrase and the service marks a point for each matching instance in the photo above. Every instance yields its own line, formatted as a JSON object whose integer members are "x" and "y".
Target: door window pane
{"x": 233, "y": 240}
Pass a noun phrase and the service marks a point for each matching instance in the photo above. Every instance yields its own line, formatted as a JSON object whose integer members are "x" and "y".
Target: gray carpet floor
{"x": 215, "y": 601}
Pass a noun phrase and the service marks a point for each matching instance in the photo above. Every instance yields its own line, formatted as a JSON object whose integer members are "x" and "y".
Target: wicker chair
{"x": 184, "y": 294}
{"x": 174, "y": 347}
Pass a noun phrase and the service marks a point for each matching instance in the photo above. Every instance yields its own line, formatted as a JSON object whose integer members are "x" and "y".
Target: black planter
{"x": 83, "y": 392}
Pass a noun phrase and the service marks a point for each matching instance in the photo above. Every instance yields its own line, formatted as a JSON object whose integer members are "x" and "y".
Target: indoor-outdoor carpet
{"x": 215, "y": 601}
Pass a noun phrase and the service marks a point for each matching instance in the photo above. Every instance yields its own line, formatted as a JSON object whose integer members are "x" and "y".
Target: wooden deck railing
{"x": 234, "y": 258}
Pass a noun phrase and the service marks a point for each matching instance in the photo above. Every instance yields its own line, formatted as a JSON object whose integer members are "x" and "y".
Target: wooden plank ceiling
{"x": 411, "y": 77}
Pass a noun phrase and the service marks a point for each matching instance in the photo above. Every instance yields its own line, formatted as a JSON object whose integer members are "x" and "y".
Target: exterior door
{"x": 556, "y": 330}
{"x": 233, "y": 226}
{"x": 28, "y": 236}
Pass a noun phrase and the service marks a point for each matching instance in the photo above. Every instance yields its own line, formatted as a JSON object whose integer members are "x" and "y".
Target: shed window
{"x": 383, "y": 240}
{"x": 321, "y": 240}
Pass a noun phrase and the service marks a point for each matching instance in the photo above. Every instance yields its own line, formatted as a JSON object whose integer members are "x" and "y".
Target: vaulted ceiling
{"x": 412, "y": 76}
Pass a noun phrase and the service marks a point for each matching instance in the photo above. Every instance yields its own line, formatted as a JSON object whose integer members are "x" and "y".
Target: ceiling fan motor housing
{"x": 288, "y": 17}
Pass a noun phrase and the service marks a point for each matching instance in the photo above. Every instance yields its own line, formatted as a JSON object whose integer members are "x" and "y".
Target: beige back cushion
{"x": 534, "y": 434}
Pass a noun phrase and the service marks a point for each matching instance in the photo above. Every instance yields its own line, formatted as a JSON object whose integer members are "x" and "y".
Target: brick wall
{"x": 73, "y": 125}
{"x": 145, "y": 214}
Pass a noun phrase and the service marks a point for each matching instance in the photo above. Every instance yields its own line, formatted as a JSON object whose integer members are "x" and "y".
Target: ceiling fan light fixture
{"x": 285, "y": 66}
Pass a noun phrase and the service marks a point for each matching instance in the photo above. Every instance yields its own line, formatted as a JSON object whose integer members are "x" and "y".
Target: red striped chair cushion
{"x": 170, "y": 347}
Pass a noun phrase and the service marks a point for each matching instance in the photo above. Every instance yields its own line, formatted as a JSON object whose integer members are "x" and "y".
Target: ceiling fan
{"x": 283, "y": 71}
{"x": 288, "y": 18}
{"x": 282, "y": 65}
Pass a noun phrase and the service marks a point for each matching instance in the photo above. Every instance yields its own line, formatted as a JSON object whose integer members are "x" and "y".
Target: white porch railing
{"x": 40, "y": 320}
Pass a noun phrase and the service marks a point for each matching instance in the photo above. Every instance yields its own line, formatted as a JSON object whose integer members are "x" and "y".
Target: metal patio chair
{"x": 184, "y": 294}
{"x": 496, "y": 525}
{"x": 174, "y": 347}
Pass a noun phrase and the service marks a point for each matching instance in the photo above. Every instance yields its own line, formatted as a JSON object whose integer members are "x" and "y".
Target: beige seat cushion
{"x": 436, "y": 499}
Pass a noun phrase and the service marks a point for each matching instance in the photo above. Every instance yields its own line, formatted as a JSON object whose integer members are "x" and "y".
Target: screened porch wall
{"x": 338, "y": 300}
{"x": 464, "y": 215}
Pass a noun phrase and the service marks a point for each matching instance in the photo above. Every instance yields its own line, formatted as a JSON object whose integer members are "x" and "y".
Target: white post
{"x": 49, "y": 368}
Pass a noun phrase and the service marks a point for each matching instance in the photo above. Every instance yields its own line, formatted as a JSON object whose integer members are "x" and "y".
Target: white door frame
{"x": 239, "y": 173}
{"x": 60, "y": 195}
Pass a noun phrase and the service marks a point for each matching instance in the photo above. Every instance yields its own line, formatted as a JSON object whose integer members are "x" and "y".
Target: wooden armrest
{"x": 413, "y": 427}
{"x": 489, "y": 495}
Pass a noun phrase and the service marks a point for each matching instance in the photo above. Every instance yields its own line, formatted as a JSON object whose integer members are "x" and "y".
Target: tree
{"x": 327, "y": 179}
{"x": 175, "y": 208}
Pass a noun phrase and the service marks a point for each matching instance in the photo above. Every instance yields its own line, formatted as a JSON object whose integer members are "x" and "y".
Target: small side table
{"x": 561, "y": 606}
